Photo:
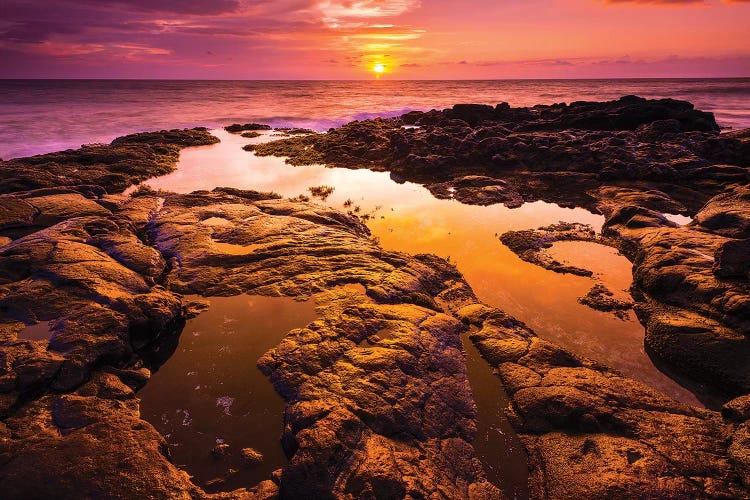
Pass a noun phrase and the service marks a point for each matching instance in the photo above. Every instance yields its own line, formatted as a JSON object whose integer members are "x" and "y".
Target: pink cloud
{"x": 290, "y": 38}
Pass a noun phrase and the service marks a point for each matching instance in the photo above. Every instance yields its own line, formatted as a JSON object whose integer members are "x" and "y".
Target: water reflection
{"x": 38, "y": 331}
{"x": 210, "y": 391}
{"x": 497, "y": 445}
{"x": 408, "y": 218}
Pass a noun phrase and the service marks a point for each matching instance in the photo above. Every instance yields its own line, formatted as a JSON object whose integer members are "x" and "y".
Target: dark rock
{"x": 236, "y": 128}
{"x": 127, "y": 160}
{"x": 472, "y": 114}
{"x": 250, "y": 457}
{"x": 220, "y": 451}
{"x": 531, "y": 245}
{"x": 602, "y": 299}
{"x": 737, "y": 410}
{"x": 732, "y": 259}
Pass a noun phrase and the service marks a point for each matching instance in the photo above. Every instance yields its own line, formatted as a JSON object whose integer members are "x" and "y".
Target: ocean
{"x": 39, "y": 116}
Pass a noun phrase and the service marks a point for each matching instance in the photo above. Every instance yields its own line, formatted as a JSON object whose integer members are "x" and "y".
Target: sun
{"x": 379, "y": 69}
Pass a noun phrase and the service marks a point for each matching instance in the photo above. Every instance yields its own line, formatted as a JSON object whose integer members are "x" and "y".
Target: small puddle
{"x": 216, "y": 222}
{"x": 497, "y": 445}
{"x": 210, "y": 391}
{"x": 235, "y": 249}
{"x": 39, "y": 331}
{"x": 681, "y": 220}
{"x": 606, "y": 262}
{"x": 618, "y": 343}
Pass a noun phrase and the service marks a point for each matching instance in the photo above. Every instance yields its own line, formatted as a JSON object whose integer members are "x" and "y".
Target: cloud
{"x": 524, "y": 62}
{"x": 338, "y": 9}
{"x": 672, "y": 2}
{"x": 187, "y": 33}
{"x": 657, "y": 2}
{"x": 193, "y": 7}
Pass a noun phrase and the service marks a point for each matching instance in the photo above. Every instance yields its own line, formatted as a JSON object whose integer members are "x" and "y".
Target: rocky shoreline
{"x": 378, "y": 401}
{"x": 632, "y": 160}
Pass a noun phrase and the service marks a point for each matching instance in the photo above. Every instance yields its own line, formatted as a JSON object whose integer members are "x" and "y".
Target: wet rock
{"x": 250, "y": 457}
{"x": 127, "y": 160}
{"x": 220, "y": 451}
{"x": 295, "y": 131}
{"x": 102, "y": 435}
{"x": 739, "y": 452}
{"x": 391, "y": 410}
{"x": 402, "y": 429}
{"x": 478, "y": 190}
{"x": 530, "y": 245}
{"x": 27, "y": 365}
{"x": 632, "y": 160}
{"x": 472, "y": 114}
{"x": 391, "y": 418}
{"x": 236, "y": 128}
{"x": 592, "y": 433}
{"x": 693, "y": 319}
{"x": 328, "y": 247}
{"x": 727, "y": 214}
{"x": 15, "y": 212}
{"x": 597, "y": 138}
{"x": 106, "y": 386}
{"x": 100, "y": 309}
{"x": 59, "y": 207}
{"x": 737, "y": 410}
{"x": 732, "y": 259}
{"x": 602, "y": 299}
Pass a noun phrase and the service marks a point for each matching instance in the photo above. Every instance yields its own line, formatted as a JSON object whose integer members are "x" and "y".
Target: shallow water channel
{"x": 210, "y": 391}
{"x": 405, "y": 217}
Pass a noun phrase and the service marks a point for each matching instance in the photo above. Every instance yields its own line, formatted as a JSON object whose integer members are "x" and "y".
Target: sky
{"x": 349, "y": 39}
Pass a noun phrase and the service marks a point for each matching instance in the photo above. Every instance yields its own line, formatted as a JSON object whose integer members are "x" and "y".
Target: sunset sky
{"x": 340, "y": 39}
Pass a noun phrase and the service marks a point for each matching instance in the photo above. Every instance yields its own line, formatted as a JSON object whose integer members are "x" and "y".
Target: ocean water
{"x": 38, "y": 116}
{"x": 205, "y": 393}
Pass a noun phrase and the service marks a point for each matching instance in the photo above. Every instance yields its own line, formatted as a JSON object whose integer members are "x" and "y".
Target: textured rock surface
{"x": 127, "y": 160}
{"x": 633, "y": 161}
{"x": 602, "y": 299}
{"x": 378, "y": 403}
{"x": 531, "y": 244}
{"x": 592, "y": 433}
{"x": 381, "y": 421}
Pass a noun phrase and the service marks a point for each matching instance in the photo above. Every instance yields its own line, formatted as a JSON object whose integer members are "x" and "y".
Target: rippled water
{"x": 39, "y": 116}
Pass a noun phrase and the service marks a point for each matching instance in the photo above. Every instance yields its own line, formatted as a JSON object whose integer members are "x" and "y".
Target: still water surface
{"x": 210, "y": 391}
{"x": 406, "y": 217}
{"x": 215, "y": 361}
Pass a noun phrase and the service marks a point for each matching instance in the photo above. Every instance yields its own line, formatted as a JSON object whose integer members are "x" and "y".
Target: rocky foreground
{"x": 632, "y": 160}
{"x": 392, "y": 417}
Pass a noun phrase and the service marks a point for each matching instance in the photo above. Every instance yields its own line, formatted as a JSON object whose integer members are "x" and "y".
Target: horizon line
{"x": 373, "y": 79}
